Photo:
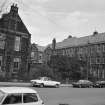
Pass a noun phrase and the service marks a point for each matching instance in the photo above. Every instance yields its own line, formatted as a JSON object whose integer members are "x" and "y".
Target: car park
{"x": 99, "y": 84}
{"x": 19, "y": 96}
{"x": 45, "y": 82}
{"x": 83, "y": 84}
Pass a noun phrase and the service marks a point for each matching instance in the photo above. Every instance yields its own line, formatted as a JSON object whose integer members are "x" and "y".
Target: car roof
{"x": 17, "y": 90}
{"x": 43, "y": 77}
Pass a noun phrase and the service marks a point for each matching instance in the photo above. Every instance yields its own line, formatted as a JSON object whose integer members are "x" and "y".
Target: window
{"x": 103, "y": 48}
{"x": 40, "y": 57}
{"x": 32, "y": 54}
{"x": 2, "y": 41}
{"x": 97, "y": 60}
{"x": 30, "y": 97}
{"x": 94, "y": 73}
{"x": 13, "y": 99}
{"x": 98, "y": 48}
{"x": 16, "y": 63}
{"x": 103, "y": 74}
{"x": 0, "y": 62}
{"x": 17, "y": 43}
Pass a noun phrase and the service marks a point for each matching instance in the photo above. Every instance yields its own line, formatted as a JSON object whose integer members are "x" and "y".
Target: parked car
{"x": 99, "y": 84}
{"x": 45, "y": 81}
{"x": 19, "y": 96}
{"x": 83, "y": 84}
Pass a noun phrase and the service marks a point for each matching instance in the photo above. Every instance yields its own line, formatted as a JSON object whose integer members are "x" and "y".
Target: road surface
{"x": 72, "y": 96}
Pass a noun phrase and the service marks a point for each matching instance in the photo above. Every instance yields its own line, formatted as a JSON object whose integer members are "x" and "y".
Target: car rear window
{"x": 30, "y": 97}
{"x": 13, "y": 99}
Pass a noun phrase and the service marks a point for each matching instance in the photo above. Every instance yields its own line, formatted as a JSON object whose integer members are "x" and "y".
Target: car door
{"x": 45, "y": 81}
{"x": 13, "y": 99}
{"x": 49, "y": 82}
{"x": 31, "y": 99}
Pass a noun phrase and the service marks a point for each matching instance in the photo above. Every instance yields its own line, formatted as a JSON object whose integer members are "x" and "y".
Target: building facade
{"x": 36, "y": 54}
{"x": 90, "y": 49}
{"x": 14, "y": 44}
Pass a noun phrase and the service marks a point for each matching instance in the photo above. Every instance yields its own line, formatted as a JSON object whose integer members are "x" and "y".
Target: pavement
{"x": 15, "y": 84}
{"x": 24, "y": 84}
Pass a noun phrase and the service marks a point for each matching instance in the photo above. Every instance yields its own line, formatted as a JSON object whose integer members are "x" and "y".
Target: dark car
{"x": 83, "y": 84}
{"x": 99, "y": 84}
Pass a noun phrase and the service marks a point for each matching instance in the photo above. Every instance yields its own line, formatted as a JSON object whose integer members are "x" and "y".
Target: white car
{"x": 19, "y": 96}
{"x": 45, "y": 81}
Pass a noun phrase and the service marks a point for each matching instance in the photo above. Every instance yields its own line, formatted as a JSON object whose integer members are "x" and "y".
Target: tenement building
{"x": 14, "y": 44}
{"x": 90, "y": 49}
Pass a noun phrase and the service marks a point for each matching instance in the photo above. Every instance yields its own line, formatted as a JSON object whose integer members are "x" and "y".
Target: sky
{"x": 48, "y": 19}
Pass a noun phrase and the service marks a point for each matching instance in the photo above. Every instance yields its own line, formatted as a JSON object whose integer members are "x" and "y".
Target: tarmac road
{"x": 72, "y": 96}
{"x": 66, "y": 95}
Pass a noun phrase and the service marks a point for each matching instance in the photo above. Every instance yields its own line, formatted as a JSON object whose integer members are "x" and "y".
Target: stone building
{"x": 14, "y": 44}
{"x": 90, "y": 49}
{"x": 37, "y": 54}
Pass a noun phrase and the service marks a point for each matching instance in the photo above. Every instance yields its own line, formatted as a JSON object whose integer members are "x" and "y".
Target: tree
{"x": 68, "y": 67}
{"x": 40, "y": 70}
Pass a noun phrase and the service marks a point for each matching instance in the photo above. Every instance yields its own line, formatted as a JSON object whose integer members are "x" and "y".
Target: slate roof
{"x": 74, "y": 41}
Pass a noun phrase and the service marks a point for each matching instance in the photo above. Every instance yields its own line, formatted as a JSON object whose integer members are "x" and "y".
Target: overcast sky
{"x": 48, "y": 19}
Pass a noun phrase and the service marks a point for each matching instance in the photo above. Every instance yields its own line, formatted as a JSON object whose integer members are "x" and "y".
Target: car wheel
{"x": 57, "y": 85}
{"x": 100, "y": 86}
{"x": 41, "y": 85}
{"x": 90, "y": 86}
{"x": 80, "y": 86}
{"x": 32, "y": 85}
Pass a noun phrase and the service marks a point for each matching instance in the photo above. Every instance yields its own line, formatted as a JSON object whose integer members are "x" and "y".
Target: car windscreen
{"x": 1, "y": 95}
